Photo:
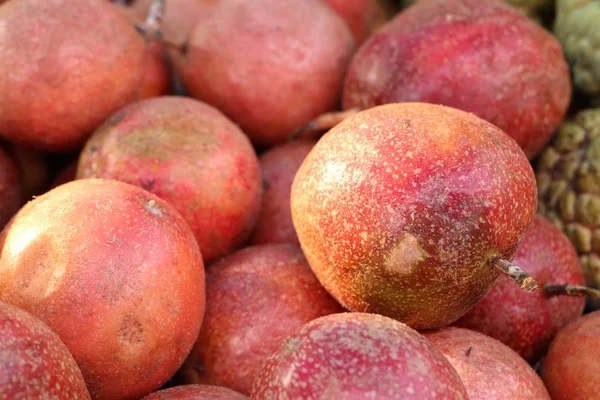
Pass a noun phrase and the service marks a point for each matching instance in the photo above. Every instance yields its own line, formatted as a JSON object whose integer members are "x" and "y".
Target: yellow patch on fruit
{"x": 405, "y": 255}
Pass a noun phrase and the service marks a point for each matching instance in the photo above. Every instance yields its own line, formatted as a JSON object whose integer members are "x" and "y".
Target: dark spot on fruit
{"x": 115, "y": 119}
{"x": 184, "y": 49}
{"x": 469, "y": 350}
{"x": 131, "y": 330}
{"x": 291, "y": 345}
{"x": 266, "y": 185}
{"x": 147, "y": 183}
{"x": 93, "y": 148}
{"x": 407, "y": 123}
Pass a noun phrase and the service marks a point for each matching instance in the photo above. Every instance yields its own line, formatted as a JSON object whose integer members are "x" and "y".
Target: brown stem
{"x": 155, "y": 15}
{"x": 151, "y": 29}
{"x": 515, "y": 273}
{"x": 570, "y": 290}
{"x": 324, "y": 122}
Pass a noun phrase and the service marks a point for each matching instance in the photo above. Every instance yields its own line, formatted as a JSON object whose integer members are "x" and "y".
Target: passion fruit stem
{"x": 324, "y": 122}
{"x": 151, "y": 29}
{"x": 570, "y": 290}
{"x": 155, "y": 15}
{"x": 515, "y": 273}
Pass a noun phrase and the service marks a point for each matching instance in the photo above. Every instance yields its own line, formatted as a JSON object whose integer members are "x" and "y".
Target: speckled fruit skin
{"x": 34, "y": 363}
{"x": 400, "y": 208}
{"x": 271, "y": 66}
{"x": 189, "y": 154}
{"x": 116, "y": 273}
{"x": 483, "y": 57}
{"x": 279, "y": 166}
{"x": 489, "y": 369}
{"x": 66, "y": 66}
{"x": 527, "y": 322}
{"x": 196, "y": 392}
{"x": 571, "y": 370}
{"x": 357, "y": 356}
{"x": 12, "y": 192}
{"x": 255, "y": 298}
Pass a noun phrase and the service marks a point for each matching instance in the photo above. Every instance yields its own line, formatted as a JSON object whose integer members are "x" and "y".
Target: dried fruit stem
{"x": 515, "y": 273}
{"x": 324, "y": 122}
{"x": 151, "y": 29}
{"x": 155, "y": 14}
{"x": 570, "y": 290}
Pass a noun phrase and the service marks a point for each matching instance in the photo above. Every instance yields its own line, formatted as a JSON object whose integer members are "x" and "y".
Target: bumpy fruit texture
{"x": 571, "y": 370}
{"x": 568, "y": 178}
{"x": 577, "y": 28}
{"x": 255, "y": 299}
{"x": 479, "y": 56}
{"x": 279, "y": 166}
{"x": 357, "y": 356}
{"x": 400, "y": 208}
{"x": 196, "y": 392}
{"x": 270, "y": 65}
{"x": 116, "y": 273}
{"x": 12, "y": 191}
{"x": 66, "y": 67}
{"x": 489, "y": 369}
{"x": 527, "y": 322}
{"x": 34, "y": 362}
{"x": 189, "y": 154}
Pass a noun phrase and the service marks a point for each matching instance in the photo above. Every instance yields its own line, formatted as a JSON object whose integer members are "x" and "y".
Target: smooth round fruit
{"x": 116, "y": 273}
{"x": 189, "y": 154}
{"x": 527, "y": 322}
{"x": 270, "y": 65}
{"x": 489, "y": 369}
{"x": 255, "y": 298}
{"x": 533, "y": 8}
{"x": 196, "y": 392}
{"x": 67, "y": 66}
{"x": 571, "y": 370}
{"x": 34, "y": 363}
{"x": 483, "y": 57}
{"x": 362, "y": 16}
{"x": 279, "y": 166}
{"x": 401, "y": 209}
{"x": 357, "y": 356}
